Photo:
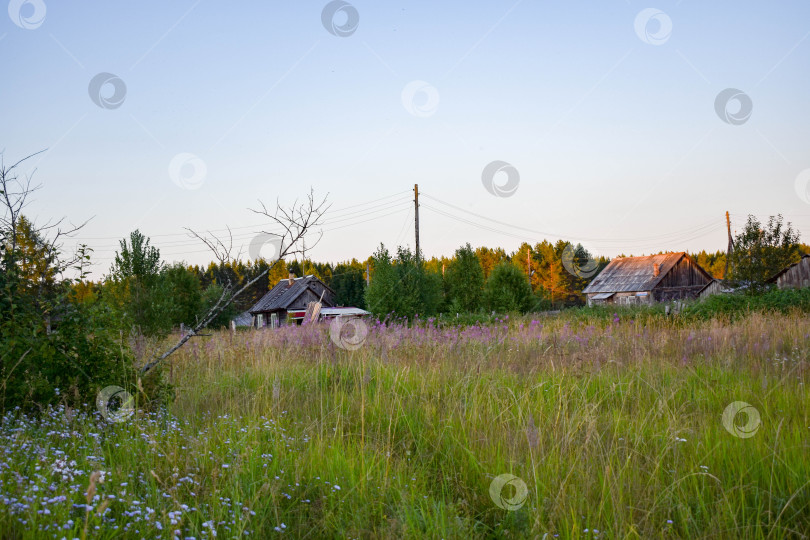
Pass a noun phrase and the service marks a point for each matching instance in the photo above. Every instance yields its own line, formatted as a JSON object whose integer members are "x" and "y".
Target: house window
{"x": 274, "y": 320}
{"x": 260, "y": 320}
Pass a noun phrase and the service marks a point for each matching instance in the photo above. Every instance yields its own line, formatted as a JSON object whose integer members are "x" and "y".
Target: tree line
{"x": 62, "y": 334}
{"x": 153, "y": 297}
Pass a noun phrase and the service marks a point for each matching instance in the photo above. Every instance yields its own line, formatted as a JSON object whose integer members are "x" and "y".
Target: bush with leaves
{"x": 741, "y": 303}
{"x": 181, "y": 287}
{"x": 55, "y": 345}
{"x": 508, "y": 290}
{"x": 71, "y": 364}
{"x": 134, "y": 288}
{"x": 402, "y": 286}
{"x": 465, "y": 281}
{"x": 760, "y": 251}
{"x": 52, "y": 347}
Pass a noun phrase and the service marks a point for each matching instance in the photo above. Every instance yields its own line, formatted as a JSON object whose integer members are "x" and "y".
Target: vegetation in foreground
{"x": 615, "y": 425}
{"x": 611, "y": 423}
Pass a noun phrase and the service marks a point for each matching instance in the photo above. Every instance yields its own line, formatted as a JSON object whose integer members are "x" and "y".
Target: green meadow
{"x": 610, "y": 427}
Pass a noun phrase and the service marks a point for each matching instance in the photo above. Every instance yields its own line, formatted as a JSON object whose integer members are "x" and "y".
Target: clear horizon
{"x": 625, "y": 127}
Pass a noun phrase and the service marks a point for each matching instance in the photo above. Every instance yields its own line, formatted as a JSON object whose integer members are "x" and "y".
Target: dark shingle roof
{"x": 631, "y": 274}
{"x": 284, "y": 294}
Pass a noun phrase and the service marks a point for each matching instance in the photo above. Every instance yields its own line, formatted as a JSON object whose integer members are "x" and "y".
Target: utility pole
{"x": 368, "y": 275}
{"x": 529, "y": 263}
{"x": 416, "y": 216}
{"x": 730, "y": 246}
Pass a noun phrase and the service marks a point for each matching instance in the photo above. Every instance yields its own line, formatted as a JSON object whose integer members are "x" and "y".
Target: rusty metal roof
{"x": 631, "y": 274}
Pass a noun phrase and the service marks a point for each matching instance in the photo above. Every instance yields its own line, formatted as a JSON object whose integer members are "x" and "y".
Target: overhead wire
{"x": 677, "y": 234}
{"x": 337, "y": 211}
{"x": 357, "y": 214}
{"x": 404, "y": 224}
{"x": 326, "y": 229}
{"x": 634, "y": 245}
{"x": 330, "y": 219}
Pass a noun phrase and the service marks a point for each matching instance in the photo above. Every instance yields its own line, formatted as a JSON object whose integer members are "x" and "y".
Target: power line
{"x": 336, "y": 211}
{"x": 464, "y": 220}
{"x": 404, "y": 224}
{"x": 327, "y": 230}
{"x": 675, "y": 235}
{"x": 365, "y": 221}
{"x": 632, "y": 245}
{"x": 345, "y": 216}
{"x": 264, "y": 227}
{"x": 245, "y": 236}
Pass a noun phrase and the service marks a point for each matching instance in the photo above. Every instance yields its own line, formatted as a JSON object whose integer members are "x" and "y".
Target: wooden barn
{"x": 795, "y": 276}
{"x": 647, "y": 280}
{"x": 286, "y": 303}
{"x": 715, "y": 286}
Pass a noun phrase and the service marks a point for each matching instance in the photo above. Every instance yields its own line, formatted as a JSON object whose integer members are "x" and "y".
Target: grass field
{"x": 614, "y": 425}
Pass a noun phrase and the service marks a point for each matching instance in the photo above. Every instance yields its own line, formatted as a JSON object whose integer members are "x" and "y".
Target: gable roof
{"x": 783, "y": 270}
{"x": 631, "y": 274}
{"x": 283, "y": 294}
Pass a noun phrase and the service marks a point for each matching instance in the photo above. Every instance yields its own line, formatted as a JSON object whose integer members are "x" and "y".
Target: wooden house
{"x": 286, "y": 302}
{"x": 796, "y": 276}
{"x": 647, "y": 280}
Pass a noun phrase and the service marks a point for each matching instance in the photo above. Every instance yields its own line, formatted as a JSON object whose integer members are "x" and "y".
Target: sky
{"x": 625, "y": 126}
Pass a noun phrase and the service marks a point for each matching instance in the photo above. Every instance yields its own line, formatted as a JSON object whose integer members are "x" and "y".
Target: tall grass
{"x": 615, "y": 426}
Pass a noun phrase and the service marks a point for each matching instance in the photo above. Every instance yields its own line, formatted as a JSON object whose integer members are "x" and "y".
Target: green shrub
{"x": 507, "y": 290}
{"x": 71, "y": 364}
{"x": 730, "y": 305}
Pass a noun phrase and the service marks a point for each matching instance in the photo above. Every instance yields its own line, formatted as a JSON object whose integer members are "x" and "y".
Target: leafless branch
{"x": 218, "y": 247}
{"x": 15, "y": 191}
{"x": 295, "y": 222}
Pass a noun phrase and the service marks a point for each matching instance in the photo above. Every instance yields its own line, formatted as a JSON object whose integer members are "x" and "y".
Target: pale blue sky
{"x": 613, "y": 137}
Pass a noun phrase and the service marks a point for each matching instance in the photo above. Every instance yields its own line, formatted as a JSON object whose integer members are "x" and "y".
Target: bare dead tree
{"x": 15, "y": 191}
{"x": 294, "y": 223}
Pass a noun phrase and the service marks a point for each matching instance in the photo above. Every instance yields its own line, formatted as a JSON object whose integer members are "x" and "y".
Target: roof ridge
{"x": 653, "y": 255}
{"x": 633, "y": 274}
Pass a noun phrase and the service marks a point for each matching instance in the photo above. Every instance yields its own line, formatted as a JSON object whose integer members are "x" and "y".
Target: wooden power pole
{"x": 416, "y": 216}
{"x": 529, "y": 263}
{"x": 730, "y": 247}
